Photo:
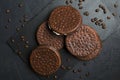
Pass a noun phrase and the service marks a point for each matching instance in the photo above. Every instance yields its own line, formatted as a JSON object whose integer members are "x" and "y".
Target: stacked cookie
{"x": 81, "y": 40}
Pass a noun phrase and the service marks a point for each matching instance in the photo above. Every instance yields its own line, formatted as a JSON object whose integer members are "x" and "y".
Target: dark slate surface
{"x": 105, "y": 66}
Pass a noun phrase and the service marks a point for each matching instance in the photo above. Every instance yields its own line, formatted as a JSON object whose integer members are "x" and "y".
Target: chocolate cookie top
{"x": 45, "y": 60}
{"x": 83, "y": 42}
{"x": 64, "y": 20}
{"x": 89, "y": 57}
{"x": 47, "y": 37}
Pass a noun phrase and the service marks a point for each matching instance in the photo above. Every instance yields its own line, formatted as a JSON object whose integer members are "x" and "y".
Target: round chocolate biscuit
{"x": 47, "y": 37}
{"x": 89, "y": 57}
{"x": 85, "y": 41}
{"x": 45, "y": 60}
{"x": 64, "y": 20}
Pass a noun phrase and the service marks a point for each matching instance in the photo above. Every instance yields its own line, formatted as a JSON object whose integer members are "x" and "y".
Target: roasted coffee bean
{"x": 20, "y": 5}
{"x": 108, "y": 17}
{"x": 97, "y": 10}
{"x": 8, "y": 11}
{"x": 86, "y": 13}
{"x": 115, "y": 5}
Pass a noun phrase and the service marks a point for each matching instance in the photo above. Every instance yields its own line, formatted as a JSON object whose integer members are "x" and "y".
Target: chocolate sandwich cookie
{"x": 47, "y": 37}
{"x": 84, "y": 43}
{"x": 64, "y": 20}
{"x": 45, "y": 60}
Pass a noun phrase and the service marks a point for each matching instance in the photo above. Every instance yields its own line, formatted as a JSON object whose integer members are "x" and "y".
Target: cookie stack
{"x": 64, "y": 26}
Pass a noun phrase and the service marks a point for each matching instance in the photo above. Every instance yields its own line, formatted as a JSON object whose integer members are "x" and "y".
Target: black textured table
{"x": 20, "y": 17}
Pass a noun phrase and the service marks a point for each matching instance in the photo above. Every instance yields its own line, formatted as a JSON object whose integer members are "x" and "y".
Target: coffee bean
{"x": 79, "y": 4}
{"x": 74, "y": 71}
{"x": 92, "y": 20}
{"x": 22, "y": 25}
{"x": 63, "y": 67}
{"x": 20, "y": 5}
{"x": 87, "y": 74}
{"x": 25, "y": 19}
{"x": 80, "y": 7}
{"x": 22, "y": 37}
{"x": 103, "y": 8}
{"x": 9, "y": 20}
{"x": 83, "y": 0}
{"x": 80, "y": 0}
{"x": 69, "y": 68}
{"x": 17, "y": 29}
{"x": 97, "y": 10}
{"x": 71, "y": 1}
{"x": 100, "y": 20}
{"x": 8, "y": 11}
{"x": 6, "y": 27}
{"x": 26, "y": 46}
{"x": 86, "y": 13}
{"x": 103, "y": 26}
{"x": 12, "y": 40}
{"x": 55, "y": 77}
{"x": 113, "y": 14}
{"x": 67, "y": 2}
{"x": 104, "y": 11}
{"x": 115, "y": 5}
{"x": 95, "y": 19}
{"x": 19, "y": 52}
{"x": 26, "y": 42}
{"x": 100, "y": 5}
{"x": 96, "y": 23}
{"x": 99, "y": 24}
{"x": 108, "y": 17}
